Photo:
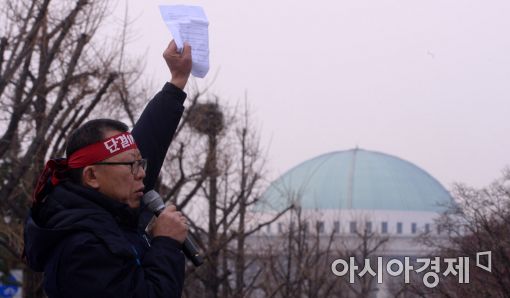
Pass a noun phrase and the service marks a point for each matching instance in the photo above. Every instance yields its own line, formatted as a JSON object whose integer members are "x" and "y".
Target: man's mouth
{"x": 140, "y": 191}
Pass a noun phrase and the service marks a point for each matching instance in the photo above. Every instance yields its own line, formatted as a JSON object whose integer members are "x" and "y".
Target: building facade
{"x": 348, "y": 195}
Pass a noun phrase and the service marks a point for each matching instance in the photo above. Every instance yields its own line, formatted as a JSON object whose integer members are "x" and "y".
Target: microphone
{"x": 155, "y": 203}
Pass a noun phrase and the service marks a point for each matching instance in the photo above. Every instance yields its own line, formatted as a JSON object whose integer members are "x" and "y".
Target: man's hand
{"x": 171, "y": 223}
{"x": 179, "y": 64}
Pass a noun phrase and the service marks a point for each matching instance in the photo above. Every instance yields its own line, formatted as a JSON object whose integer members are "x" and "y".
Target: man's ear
{"x": 89, "y": 177}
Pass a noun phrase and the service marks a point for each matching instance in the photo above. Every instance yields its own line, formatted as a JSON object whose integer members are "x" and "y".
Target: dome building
{"x": 345, "y": 192}
{"x": 354, "y": 203}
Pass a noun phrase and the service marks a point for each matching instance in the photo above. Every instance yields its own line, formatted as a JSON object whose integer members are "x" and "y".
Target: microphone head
{"x": 153, "y": 201}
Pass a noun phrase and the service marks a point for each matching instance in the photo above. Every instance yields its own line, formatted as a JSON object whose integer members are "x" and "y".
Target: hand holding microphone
{"x": 171, "y": 223}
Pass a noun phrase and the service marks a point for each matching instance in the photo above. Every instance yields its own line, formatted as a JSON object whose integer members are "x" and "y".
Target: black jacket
{"x": 89, "y": 245}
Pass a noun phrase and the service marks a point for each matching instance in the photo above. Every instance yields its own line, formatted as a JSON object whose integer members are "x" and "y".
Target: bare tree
{"x": 214, "y": 172}
{"x": 55, "y": 72}
{"x": 478, "y": 222}
{"x": 298, "y": 261}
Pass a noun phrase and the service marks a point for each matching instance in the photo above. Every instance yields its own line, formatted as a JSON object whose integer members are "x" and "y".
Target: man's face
{"x": 117, "y": 181}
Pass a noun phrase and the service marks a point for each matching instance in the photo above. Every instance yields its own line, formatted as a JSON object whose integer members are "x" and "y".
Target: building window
{"x": 384, "y": 227}
{"x": 280, "y": 227}
{"x": 336, "y": 227}
{"x": 352, "y": 227}
{"x": 320, "y": 227}
{"x": 368, "y": 227}
{"x": 427, "y": 228}
{"x": 439, "y": 230}
{"x": 268, "y": 228}
{"x": 399, "y": 228}
{"x": 413, "y": 228}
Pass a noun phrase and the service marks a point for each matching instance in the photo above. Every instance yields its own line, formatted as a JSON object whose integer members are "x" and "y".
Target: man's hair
{"x": 89, "y": 133}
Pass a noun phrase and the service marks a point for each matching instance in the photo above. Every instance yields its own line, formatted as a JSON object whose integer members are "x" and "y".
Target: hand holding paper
{"x": 179, "y": 64}
{"x": 189, "y": 24}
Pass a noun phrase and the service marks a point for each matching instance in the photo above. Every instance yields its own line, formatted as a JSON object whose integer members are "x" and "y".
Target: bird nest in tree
{"x": 206, "y": 118}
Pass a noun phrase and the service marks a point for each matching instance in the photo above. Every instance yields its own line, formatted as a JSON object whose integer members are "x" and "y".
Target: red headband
{"x": 83, "y": 157}
{"x": 102, "y": 150}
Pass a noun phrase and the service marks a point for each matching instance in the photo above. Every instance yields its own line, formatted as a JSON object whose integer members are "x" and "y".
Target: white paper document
{"x": 189, "y": 24}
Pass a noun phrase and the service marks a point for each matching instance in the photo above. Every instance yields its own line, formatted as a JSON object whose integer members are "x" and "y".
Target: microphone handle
{"x": 191, "y": 252}
{"x": 189, "y": 248}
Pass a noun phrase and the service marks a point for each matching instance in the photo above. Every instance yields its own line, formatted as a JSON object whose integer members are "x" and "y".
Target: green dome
{"x": 357, "y": 179}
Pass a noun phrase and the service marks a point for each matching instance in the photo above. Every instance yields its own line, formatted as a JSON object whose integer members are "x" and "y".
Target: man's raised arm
{"x": 155, "y": 128}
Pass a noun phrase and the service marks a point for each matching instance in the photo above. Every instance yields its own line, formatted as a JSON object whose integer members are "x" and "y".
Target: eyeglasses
{"x": 135, "y": 165}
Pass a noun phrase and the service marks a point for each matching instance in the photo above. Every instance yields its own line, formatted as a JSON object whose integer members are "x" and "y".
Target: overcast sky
{"x": 427, "y": 81}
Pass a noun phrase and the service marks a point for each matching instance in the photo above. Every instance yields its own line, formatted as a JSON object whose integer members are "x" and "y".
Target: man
{"x": 83, "y": 229}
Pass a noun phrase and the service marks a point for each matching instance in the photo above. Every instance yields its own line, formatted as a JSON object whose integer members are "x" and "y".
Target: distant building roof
{"x": 357, "y": 179}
